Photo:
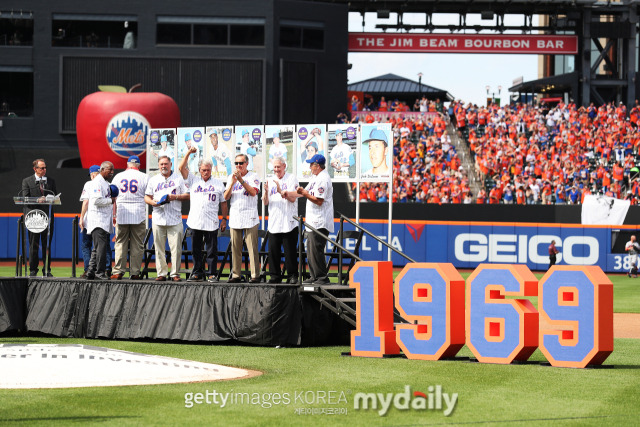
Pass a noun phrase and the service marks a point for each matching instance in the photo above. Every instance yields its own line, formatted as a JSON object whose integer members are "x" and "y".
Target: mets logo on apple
{"x": 127, "y": 133}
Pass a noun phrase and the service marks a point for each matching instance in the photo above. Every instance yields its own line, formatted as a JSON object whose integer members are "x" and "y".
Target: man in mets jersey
{"x": 206, "y": 196}
{"x": 219, "y": 156}
{"x": 242, "y": 192}
{"x": 319, "y": 195}
{"x": 166, "y": 192}
{"x": 281, "y": 197}
{"x": 99, "y": 221}
{"x": 341, "y": 156}
{"x": 131, "y": 219}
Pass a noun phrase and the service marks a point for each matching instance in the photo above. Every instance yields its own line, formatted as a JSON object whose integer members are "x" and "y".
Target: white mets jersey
{"x": 158, "y": 186}
{"x": 282, "y": 211}
{"x": 243, "y": 212}
{"x": 320, "y": 216}
{"x": 132, "y": 185}
{"x": 205, "y": 202}
{"x": 100, "y": 212}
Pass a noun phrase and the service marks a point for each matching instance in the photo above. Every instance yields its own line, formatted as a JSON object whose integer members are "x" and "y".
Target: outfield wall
{"x": 464, "y": 244}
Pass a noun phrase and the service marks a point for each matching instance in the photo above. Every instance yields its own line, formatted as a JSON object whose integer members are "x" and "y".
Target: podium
{"x": 39, "y": 223}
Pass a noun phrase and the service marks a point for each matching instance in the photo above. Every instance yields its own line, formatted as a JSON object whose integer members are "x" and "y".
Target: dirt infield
{"x": 626, "y": 325}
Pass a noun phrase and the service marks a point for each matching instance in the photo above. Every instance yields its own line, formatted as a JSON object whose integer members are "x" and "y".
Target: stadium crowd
{"x": 523, "y": 154}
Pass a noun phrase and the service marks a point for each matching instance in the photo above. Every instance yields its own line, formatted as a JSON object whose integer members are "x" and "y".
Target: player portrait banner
{"x": 464, "y": 43}
{"x": 219, "y": 147}
{"x": 342, "y": 140}
{"x": 310, "y": 140}
{"x": 160, "y": 142}
{"x": 376, "y": 152}
{"x": 187, "y": 138}
{"x": 279, "y": 143}
{"x": 250, "y": 141}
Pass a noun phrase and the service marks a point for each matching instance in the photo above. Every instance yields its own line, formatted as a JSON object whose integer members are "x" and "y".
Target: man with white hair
{"x": 130, "y": 219}
{"x": 165, "y": 193}
{"x": 206, "y": 195}
{"x": 99, "y": 220}
{"x": 281, "y": 197}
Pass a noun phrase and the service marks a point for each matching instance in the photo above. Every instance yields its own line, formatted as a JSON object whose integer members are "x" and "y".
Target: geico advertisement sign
{"x": 512, "y": 249}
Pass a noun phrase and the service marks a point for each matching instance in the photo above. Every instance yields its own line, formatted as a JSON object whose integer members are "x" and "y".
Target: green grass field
{"x": 523, "y": 394}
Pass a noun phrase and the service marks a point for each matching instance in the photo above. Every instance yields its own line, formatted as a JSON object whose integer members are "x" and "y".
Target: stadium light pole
{"x": 488, "y": 99}
{"x": 499, "y": 91}
{"x": 420, "y": 82}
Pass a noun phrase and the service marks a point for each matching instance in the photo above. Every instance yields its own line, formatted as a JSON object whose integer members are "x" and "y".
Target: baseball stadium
{"x": 209, "y": 219}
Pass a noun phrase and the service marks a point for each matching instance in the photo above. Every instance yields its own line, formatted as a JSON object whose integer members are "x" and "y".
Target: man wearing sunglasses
{"x": 242, "y": 192}
{"x": 39, "y": 185}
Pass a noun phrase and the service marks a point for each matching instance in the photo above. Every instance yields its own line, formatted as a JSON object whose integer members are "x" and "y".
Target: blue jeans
{"x": 86, "y": 245}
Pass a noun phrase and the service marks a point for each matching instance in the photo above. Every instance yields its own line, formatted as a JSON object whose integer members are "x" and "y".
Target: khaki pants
{"x": 252, "y": 247}
{"x": 129, "y": 237}
{"x": 172, "y": 233}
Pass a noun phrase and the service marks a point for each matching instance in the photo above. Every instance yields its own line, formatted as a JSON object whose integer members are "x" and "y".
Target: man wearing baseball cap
{"x": 319, "y": 215}
{"x": 130, "y": 219}
{"x": 99, "y": 220}
{"x": 87, "y": 241}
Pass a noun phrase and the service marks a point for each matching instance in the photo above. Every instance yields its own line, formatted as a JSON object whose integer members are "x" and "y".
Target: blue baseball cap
{"x": 163, "y": 138}
{"x": 94, "y": 168}
{"x": 245, "y": 132}
{"x": 318, "y": 158}
{"x": 187, "y": 137}
{"x": 378, "y": 135}
{"x": 276, "y": 135}
{"x": 134, "y": 159}
{"x": 213, "y": 132}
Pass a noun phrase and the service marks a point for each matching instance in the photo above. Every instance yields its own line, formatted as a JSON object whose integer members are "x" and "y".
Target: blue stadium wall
{"x": 465, "y": 244}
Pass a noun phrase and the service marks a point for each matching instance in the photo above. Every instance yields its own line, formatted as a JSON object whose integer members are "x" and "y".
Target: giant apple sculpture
{"x": 113, "y": 125}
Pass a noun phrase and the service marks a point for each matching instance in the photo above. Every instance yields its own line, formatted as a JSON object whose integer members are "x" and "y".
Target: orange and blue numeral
{"x": 374, "y": 335}
{"x": 432, "y": 296}
{"x": 501, "y": 330}
{"x": 576, "y": 305}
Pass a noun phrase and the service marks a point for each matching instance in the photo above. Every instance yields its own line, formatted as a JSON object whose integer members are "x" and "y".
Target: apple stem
{"x": 134, "y": 87}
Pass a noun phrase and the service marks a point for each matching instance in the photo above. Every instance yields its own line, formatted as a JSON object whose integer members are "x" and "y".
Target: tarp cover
{"x": 260, "y": 315}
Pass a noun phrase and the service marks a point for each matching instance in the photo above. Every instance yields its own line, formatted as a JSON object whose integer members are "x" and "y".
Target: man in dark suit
{"x": 39, "y": 185}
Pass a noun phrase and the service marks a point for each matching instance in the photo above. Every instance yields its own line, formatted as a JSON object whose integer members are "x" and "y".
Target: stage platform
{"x": 255, "y": 314}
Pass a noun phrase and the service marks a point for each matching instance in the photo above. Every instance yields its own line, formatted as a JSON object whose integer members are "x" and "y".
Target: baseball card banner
{"x": 160, "y": 142}
{"x": 310, "y": 140}
{"x": 219, "y": 147}
{"x": 375, "y": 151}
{"x": 187, "y": 138}
{"x": 342, "y": 141}
{"x": 250, "y": 141}
{"x": 463, "y": 43}
{"x": 279, "y": 143}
